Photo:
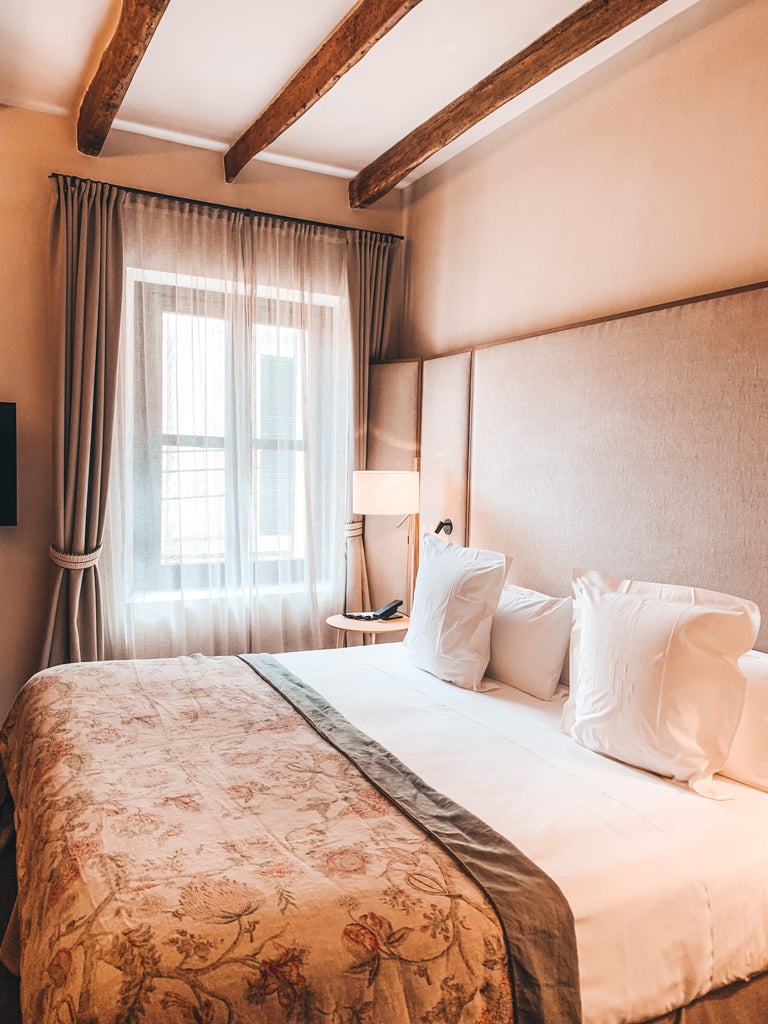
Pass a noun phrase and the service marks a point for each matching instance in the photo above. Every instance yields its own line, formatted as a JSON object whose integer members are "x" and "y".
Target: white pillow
{"x": 457, "y": 591}
{"x": 659, "y": 685}
{"x": 748, "y": 759}
{"x": 589, "y": 586}
{"x": 529, "y": 640}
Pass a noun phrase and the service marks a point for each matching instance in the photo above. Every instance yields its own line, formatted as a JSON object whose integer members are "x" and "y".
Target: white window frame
{"x": 271, "y": 549}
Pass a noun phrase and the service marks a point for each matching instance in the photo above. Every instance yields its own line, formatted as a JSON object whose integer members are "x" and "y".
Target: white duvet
{"x": 669, "y": 890}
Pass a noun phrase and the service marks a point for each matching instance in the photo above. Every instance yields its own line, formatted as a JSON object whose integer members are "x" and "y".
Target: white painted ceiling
{"x": 213, "y": 66}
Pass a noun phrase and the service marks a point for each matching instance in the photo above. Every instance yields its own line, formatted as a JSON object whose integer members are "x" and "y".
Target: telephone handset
{"x": 387, "y": 611}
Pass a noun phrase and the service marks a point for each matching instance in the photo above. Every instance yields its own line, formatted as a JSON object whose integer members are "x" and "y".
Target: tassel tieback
{"x": 68, "y": 560}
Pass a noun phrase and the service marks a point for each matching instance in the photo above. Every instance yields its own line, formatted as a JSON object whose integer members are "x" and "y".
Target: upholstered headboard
{"x": 636, "y": 445}
{"x": 393, "y": 444}
{"x": 446, "y": 384}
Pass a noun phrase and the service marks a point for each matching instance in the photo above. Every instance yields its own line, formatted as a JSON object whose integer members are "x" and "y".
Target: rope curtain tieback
{"x": 67, "y": 560}
{"x": 353, "y": 529}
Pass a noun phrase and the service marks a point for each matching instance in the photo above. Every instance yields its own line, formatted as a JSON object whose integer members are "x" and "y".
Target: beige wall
{"x": 31, "y": 146}
{"x": 646, "y": 182}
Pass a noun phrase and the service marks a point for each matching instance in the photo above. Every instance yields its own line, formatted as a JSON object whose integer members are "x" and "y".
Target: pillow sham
{"x": 589, "y": 586}
{"x": 529, "y": 640}
{"x": 748, "y": 759}
{"x": 457, "y": 591}
{"x": 659, "y": 684}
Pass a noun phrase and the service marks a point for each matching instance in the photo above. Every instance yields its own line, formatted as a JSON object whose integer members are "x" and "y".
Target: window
{"x": 192, "y": 453}
{"x": 219, "y": 453}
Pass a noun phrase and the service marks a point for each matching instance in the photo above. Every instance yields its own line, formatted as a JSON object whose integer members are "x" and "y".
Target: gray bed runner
{"x": 535, "y": 917}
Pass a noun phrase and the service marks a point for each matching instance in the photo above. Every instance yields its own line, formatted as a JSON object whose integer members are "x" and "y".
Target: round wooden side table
{"x": 374, "y": 627}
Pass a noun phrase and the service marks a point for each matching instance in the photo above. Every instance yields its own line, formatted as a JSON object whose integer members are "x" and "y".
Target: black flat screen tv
{"x": 8, "y": 464}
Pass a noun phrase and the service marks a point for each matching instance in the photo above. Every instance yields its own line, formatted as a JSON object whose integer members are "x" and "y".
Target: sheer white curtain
{"x": 233, "y": 434}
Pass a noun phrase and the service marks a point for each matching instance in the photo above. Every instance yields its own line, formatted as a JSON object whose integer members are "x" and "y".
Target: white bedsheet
{"x": 669, "y": 890}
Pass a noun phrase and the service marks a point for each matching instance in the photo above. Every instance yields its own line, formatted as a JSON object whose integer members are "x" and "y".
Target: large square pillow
{"x": 659, "y": 684}
{"x": 457, "y": 591}
{"x": 589, "y": 586}
{"x": 748, "y": 759}
{"x": 529, "y": 640}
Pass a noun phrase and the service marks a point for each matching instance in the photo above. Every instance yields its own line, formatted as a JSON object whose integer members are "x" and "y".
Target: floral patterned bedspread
{"x": 191, "y": 851}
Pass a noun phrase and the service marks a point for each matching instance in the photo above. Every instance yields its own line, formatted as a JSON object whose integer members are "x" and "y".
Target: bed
{"x": 151, "y": 889}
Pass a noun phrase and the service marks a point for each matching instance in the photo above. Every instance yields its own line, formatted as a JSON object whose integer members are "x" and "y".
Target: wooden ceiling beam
{"x": 124, "y": 52}
{"x": 367, "y": 23}
{"x": 591, "y": 24}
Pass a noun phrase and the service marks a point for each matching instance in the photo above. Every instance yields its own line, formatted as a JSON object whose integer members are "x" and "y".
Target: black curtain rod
{"x": 234, "y": 209}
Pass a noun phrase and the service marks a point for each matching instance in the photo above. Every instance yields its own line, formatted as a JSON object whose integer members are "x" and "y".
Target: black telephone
{"x": 387, "y": 611}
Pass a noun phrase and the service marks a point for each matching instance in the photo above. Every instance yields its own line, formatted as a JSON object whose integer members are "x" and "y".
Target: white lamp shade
{"x": 385, "y": 493}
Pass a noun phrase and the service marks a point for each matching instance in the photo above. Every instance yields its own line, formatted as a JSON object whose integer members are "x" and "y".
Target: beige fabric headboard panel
{"x": 445, "y": 443}
{"x": 636, "y": 446}
{"x": 393, "y": 439}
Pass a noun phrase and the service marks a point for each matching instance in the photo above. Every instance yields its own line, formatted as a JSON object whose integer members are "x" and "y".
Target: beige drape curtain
{"x": 90, "y": 233}
{"x": 87, "y": 235}
{"x": 371, "y": 261}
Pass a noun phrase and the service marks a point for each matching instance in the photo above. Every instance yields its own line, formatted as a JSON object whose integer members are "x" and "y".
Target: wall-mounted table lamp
{"x": 391, "y": 493}
{"x": 8, "y": 464}
{"x": 444, "y": 526}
